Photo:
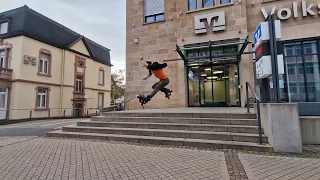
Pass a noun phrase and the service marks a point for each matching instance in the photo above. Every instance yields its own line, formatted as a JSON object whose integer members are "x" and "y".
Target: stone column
{"x": 281, "y": 124}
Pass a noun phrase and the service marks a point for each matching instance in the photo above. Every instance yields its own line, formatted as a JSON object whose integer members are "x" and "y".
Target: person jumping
{"x": 156, "y": 69}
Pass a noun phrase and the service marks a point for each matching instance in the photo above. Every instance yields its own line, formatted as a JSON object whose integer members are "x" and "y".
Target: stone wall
{"x": 157, "y": 41}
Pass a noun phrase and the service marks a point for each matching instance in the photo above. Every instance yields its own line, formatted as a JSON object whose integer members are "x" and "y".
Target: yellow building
{"x": 48, "y": 69}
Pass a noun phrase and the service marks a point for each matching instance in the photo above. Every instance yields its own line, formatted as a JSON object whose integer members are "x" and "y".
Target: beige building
{"x": 49, "y": 69}
{"x": 208, "y": 45}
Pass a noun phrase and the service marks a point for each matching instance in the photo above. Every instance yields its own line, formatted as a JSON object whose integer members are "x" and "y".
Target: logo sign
{"x": 218, "y": 20}
{"x": 262, "y": 33}
{"x": 286, "y": 13}
{"x": 29, "y": 59}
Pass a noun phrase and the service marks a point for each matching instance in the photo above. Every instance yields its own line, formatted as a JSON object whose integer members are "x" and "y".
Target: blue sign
{"x": 257, "y": 36}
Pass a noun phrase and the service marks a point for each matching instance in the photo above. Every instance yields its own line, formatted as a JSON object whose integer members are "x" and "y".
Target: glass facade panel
{"x": 302, "y": 71}
{"x": 213, "y": 85}
{"x": 193, "y": 86}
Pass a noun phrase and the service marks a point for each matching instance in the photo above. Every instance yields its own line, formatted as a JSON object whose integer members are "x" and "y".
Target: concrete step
{"x": 174, "y": 126}
{"x": 225, "y": 136}
{"x": 217, "y": 144}
{"x": 184, "y": 115}
{"x": 181, "y": 120}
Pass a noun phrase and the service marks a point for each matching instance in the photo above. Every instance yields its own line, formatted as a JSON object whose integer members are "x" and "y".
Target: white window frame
{"x": 43, "y": 97}
{"x": 42, "y": 68}
{"x": 79, "y": 84}
{"x": 4, "y": 26}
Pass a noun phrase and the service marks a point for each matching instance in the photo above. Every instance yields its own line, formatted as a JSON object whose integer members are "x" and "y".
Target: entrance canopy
{"x": 220, "y": 52}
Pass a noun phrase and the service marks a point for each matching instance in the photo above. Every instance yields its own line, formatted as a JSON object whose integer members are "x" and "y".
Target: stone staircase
{"x": 210, "y": 130}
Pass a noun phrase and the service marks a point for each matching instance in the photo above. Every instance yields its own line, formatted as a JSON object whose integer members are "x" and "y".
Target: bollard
{"x": 49, "y": 113}
{"x": 87, "y": 113}
{"x": 96, "y": 113}
{"x": 64, "y": 113}
{"x": 30, "y": 115}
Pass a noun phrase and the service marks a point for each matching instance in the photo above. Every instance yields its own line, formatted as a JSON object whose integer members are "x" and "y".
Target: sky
{"x": 102, "y": 21}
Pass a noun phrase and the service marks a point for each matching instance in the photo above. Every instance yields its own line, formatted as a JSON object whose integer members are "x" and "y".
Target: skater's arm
{"x": 150, "y": 74}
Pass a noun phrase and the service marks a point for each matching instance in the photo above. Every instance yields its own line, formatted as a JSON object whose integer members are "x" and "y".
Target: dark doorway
{"x": 78, "y": 109}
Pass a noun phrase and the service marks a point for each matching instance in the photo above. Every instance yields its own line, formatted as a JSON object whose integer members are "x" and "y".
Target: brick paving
{"x": 12, "y": 140}
{"x": 24, "y": 158}
{"x": 275, "y": 167}
{"x": 46, "y": 158}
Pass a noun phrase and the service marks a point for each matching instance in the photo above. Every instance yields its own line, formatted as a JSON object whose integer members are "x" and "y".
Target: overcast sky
{"x": 102, "y": 21}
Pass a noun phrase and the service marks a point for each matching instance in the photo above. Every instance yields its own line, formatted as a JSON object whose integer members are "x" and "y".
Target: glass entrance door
{"x": 213, "y": 85}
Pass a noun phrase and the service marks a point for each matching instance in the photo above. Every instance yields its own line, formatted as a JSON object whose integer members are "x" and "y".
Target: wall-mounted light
{"x": 136, "y": 40}
{"x": 133, "y": 25}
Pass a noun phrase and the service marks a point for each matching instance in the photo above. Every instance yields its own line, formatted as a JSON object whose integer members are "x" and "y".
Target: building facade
{"x": 207, "y": 45}
{"x": 48, "y": 69}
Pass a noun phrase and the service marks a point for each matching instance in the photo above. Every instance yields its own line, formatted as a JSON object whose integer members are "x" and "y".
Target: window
{"x": 192, "y": 5}
{"x": 4, "y": 28}
{"x": 154, "y": 10}
{"x": 79, "y": 83}
{"x": 293, "y": 88}
{"x": 208, "y": 3}
{"x": 225, "y": 1}
{"x": 2, "y": 59}
{"x": 42, "y": 95}
{"x": 302, "y": 63}
{"x": 101, "y": 77}
{"x": 100, "y": 100}
{"x": 291, "y": 69}
{"x": 44, "y": 63}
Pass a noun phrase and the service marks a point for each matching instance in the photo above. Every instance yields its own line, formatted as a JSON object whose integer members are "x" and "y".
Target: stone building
{"x": 220, "y": 34}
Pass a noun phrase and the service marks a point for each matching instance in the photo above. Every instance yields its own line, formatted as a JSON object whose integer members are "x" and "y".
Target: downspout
{"x": 62, "y": 80}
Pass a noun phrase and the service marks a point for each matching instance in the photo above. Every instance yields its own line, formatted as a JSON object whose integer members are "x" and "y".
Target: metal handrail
{"x": 124, "y": 103}
{"x": 248, "y": 86}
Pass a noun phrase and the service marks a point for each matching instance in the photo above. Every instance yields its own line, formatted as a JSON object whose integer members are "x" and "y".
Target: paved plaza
{"x": 48, "y": 158}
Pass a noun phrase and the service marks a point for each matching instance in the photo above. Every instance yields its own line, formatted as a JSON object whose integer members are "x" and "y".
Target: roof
{"x": 27, "y": 22}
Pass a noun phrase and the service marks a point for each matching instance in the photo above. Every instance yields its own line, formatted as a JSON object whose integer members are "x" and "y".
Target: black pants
{"x": 160, "y": 86}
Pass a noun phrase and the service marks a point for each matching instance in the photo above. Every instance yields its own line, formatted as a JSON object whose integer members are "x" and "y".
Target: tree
{"x": 117, "y": 85}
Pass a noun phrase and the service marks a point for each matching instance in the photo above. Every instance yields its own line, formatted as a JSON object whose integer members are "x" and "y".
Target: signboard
{"x": 264, "y": 68}
{"x": 219, "y": 22}
{"x": 286, "y": 13}
{"x": 262, "y": 33}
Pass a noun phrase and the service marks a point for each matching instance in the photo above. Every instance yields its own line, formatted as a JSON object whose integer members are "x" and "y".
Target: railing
{"x": 5, "y": 73}
{"x": 51, "y": 113}
{"x": 248, "y": 86}
{"x": 125, "y": 102}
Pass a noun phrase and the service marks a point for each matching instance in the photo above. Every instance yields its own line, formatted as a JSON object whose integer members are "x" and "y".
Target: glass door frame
{"x": 199, "y": 85}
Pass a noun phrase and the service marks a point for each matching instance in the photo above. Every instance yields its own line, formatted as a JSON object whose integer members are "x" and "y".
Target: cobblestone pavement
{"x": 273, "y": 167}
{"x": 12, "y": 140}
{"x": 24, "y": 158}
{"x": 46, "y": 158}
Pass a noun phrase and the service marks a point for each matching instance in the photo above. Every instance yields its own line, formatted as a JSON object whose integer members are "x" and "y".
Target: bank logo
{"x": 216, "y": 20}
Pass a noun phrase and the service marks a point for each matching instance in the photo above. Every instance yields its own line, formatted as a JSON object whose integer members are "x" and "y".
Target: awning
{"x": 213, "y": 51}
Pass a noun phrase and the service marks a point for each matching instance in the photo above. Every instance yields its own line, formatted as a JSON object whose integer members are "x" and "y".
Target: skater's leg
{"x": 155, "y": 85}
{"x": 160, "y": 85}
